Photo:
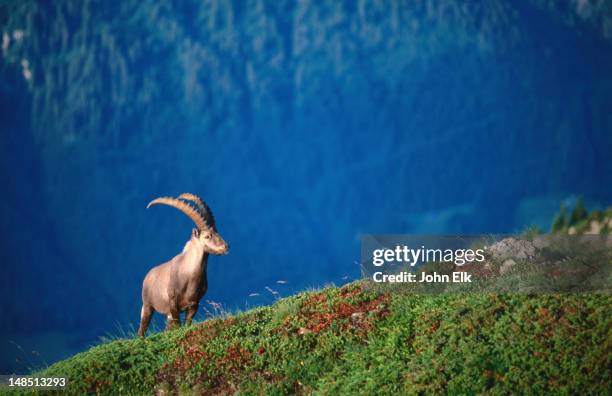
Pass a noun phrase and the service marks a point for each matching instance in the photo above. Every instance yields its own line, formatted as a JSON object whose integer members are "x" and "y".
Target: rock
{"x": 357, "y": 316}
{"x": 594, "y": 228}
{"x": 513, "y": 248}
{"x": 506, "y": 266}
{"x": 541, "y": 241}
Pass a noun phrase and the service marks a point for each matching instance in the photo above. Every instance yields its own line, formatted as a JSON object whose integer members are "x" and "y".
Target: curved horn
{"x": 203, "y": 208}
{"x": 184, "y": 207}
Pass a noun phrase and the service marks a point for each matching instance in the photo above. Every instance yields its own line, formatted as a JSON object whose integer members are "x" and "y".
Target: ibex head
{"x": 210, "y": 240}
{"x": 205, "y": 235}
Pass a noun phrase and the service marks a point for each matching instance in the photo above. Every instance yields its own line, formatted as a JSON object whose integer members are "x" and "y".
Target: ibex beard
{"x": 179, "y": 284}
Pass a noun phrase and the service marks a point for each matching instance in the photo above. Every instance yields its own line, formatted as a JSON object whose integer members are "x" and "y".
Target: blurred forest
{"x": 303, "y": 124}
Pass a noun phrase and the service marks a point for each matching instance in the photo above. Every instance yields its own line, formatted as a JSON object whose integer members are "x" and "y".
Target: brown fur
{"x": 179, "y": 284}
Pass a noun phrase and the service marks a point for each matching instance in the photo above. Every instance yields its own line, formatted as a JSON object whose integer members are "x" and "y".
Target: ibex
{"x": 179, "y": 284}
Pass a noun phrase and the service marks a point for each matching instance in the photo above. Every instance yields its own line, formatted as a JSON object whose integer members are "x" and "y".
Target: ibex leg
{"x": 191, "y": 311}
{"x": 145, "y": 318}
{"x": 173, "y": 319}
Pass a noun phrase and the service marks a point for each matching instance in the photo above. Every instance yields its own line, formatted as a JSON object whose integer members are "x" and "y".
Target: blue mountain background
{"x": 302, "y": 124}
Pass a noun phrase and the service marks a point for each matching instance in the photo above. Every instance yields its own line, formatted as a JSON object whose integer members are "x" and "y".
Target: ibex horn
{"x": 184, "y": 207}
{"x": 203, "y": 208}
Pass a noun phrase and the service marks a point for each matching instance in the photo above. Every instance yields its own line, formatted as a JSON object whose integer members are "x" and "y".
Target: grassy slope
{"x": 357, "y": 340}
{"x": 350, "y": 339}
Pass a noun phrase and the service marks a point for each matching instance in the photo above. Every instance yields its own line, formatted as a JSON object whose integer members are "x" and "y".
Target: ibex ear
{"x": 195, "y": 233}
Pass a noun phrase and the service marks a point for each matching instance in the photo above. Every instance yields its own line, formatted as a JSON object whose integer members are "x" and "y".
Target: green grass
{"x": 353, "y": 340}
{"x": 367, "y": 339}
{"x": 580, "y": 220}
